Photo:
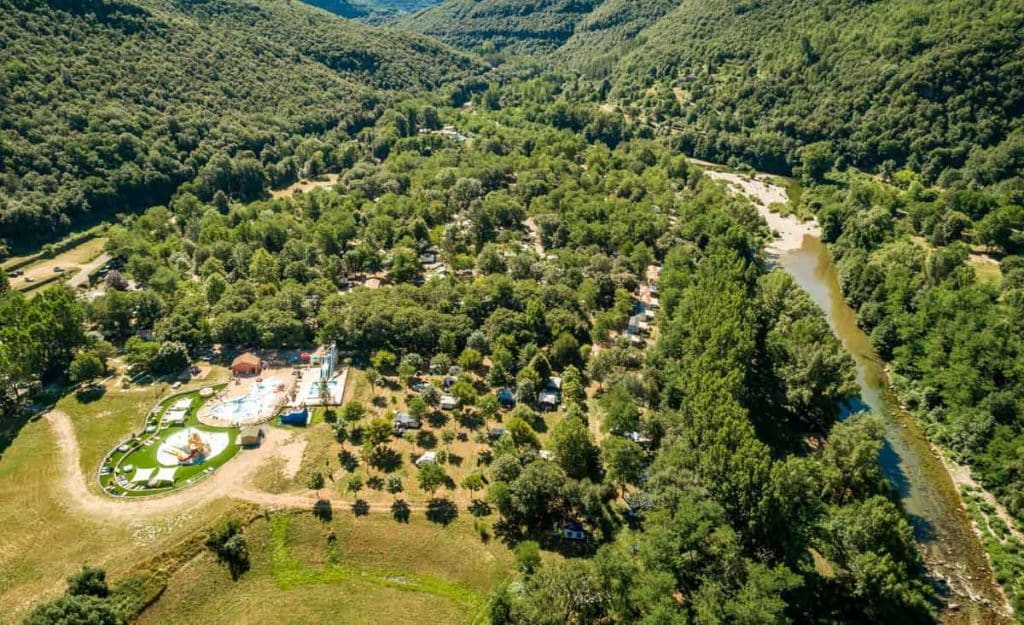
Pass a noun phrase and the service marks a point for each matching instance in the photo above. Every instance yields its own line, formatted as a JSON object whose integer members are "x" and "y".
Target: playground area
{"x": 246, "y": 401}
{"x": 173, "y": 450}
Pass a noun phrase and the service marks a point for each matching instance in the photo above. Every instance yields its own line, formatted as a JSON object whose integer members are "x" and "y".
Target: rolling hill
{"x": 527, "y": 27}
{"x": 937, "y": 86}
{"x": 370, "y": 10}
{"x": 925, "y": 84}
{"x": 110, "y": 105}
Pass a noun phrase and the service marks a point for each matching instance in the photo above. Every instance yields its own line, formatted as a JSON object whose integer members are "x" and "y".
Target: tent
{"x": 506, "y": 397}
{"x": 405, "y": 421}
{"x": 175, "y": 417}
{"x": 182, "y": 404}
{"x": 142, "y": 475}
{"x": 448, "y": 402}
{"x": 296, "y": 417}
{"x": 165, "y": 474}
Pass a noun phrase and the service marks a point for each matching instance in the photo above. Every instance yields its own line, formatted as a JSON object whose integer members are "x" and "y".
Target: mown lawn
{"x": 144, "y": 456}
{"x": 373, "y": 570}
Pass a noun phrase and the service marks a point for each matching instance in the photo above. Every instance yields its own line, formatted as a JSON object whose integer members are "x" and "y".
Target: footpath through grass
{"x": 43, "y": 538}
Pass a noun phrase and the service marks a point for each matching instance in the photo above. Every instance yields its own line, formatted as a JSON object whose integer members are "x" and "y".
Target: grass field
{"x": 71, "y": 260}
{"x": 373, "y": 571}
{"x": 43, "y": 539}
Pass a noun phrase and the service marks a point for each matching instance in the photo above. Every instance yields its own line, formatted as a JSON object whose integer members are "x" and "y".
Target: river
{"x": 955, "y": 559}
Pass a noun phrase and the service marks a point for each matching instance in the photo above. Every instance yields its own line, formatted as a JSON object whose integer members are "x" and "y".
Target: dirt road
{"x": 80, "y": 260}
{"x": 233, "y": 480}
{"x": 82, "y": 277}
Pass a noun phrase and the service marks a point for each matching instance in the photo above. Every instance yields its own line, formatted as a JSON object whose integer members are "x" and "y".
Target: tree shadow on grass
{"x": 479, "y": 508}
{"x": 89, "y": 394}
{"x": 400, "y": 511}
{"x": 437, "y": 418}
{"x": 348, "y": 460}
{"x": 322, "y": 510}
{"x": 10, "y": 427}
{"x": 360, "y": 507}
{"x": 471, "y": 420}
{"x": 441, "y": 511}
{"x": 384, "y": 459}
{"x": 426, "y": 439}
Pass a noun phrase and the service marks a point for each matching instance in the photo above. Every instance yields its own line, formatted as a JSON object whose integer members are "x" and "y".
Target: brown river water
{"x": 957, "y": 564}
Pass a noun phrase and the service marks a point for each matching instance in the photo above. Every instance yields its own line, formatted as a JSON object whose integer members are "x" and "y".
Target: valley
{"x": 928, "y": 489}
{"x": 511, "y": 312}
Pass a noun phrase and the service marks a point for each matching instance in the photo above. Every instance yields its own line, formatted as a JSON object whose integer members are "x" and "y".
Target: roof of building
{"x": 248, "y": 358}
{"x": 548, "y": 397}
{"x": 406, "y": 419}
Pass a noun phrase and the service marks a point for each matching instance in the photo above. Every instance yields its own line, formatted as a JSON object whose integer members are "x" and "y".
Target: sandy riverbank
{"x": 789, "y": 230}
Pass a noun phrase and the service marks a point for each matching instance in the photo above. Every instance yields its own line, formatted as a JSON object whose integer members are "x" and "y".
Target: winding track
{"x": 230, "y": 481}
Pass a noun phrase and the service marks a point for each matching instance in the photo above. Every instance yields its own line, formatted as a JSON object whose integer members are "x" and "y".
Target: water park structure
{"x": 173, "y": 449}
{"x": 190, "y": 434}
{"x": 250, "y": 400}
{"x": 320, "y": 384}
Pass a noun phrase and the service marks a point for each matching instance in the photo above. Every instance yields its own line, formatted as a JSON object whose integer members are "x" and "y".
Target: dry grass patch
{"x": 44, "y": 539}
{"x": 372, "y": 571}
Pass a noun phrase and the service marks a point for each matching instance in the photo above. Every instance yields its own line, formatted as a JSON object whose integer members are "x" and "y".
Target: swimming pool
{"x": 258, "y": 404}
{"x": 313, "y": 391}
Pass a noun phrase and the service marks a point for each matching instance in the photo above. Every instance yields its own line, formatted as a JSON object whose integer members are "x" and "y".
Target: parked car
{"x": 29, "y": 279}
{"x": 58, "y": 269}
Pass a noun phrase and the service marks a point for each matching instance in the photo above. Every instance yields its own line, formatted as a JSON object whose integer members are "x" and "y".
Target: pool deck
{"x": 308, "y": 394}
{"x": 243, "y": 387}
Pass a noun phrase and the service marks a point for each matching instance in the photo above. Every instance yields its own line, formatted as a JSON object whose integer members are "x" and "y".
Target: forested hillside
{"x": 737, "y": 518}
{"x": 930, "y": 84}
{"x": 109, "y": 106}
{"x": 370, "y": 10}
{"x": 521, "y": 27}
{"x": 611, "y": 29}
{"x": 938, "y": 86}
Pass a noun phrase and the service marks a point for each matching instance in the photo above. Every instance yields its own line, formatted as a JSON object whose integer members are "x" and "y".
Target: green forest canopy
{"x": 726, "y": 398}
{"x": 109, "y": 106}
{"x": 937, "y": 86}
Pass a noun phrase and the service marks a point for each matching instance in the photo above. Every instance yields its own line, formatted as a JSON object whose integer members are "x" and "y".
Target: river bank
{"x": 789, "y": 231}
{"x": 951, "y": 543}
